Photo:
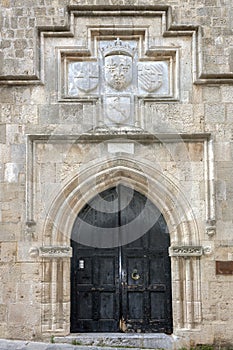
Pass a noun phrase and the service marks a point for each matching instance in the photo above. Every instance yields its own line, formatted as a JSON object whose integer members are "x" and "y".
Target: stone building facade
{"x": 100, "y": 93}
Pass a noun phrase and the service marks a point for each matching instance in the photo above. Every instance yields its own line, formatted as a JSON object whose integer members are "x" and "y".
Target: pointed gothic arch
{"x": 169, "y": 199}
{"x": 159, "y": 188}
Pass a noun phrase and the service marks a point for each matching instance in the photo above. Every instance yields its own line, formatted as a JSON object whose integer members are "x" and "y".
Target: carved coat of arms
{"x": 118, "y": 108}
{"x": 118, "y": 71}
{"x": 150, "y": 76}
{"x": 118, "y": 68}
{"x": 85, "y": 77}
{"x": 118, "y": 76}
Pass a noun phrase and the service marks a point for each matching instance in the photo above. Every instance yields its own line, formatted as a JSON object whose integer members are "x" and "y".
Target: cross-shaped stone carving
{"x": 119, "y": 78}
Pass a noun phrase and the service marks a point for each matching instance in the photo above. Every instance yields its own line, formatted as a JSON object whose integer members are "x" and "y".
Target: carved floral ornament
{"x": 186, "y": 251}
{"x": 66, "y": 252}
{"x": 190, "y": 251}
{"x": 51, "y": 252}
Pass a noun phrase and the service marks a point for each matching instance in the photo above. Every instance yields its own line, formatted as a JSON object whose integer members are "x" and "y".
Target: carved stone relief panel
{"x": 83, "y": 78}
{"x": 131, "y": 58}
{"x": 153, "y": 77}
{"x": 186, "y": 251}
{"x": 118, "y": 109}
{"x": 119, "y": 77}
{"x": 55, "y": 252}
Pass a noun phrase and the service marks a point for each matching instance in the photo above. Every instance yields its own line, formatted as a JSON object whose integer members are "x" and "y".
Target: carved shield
{"x": 83, "y": 76}
{"x": 118, "y": 71}
{"x": 150, "y": 76}
{"x": 118, "y": 108}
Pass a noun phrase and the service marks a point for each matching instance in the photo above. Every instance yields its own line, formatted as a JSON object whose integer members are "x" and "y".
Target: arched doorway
{"x": 120, "y": 269}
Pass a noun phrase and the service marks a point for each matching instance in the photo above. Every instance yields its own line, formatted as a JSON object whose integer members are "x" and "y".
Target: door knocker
{"x": 135, "y": 275}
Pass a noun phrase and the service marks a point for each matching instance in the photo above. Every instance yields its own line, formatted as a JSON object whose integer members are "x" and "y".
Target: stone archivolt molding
{"x": 165, "y": 193}
{"x": 181, "y": 224}
{"x": 58, "y": 202}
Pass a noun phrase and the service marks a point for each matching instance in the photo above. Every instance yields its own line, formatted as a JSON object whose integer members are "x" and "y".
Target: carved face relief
{"x": 118, "y": 71}
{"x": 150, "y": 76}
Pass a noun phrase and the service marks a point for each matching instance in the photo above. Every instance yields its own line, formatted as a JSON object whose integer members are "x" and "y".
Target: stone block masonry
{"x": 98, "y": 93}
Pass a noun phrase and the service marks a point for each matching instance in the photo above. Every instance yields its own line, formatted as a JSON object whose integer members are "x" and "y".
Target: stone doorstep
{"x": 111, "y": 340}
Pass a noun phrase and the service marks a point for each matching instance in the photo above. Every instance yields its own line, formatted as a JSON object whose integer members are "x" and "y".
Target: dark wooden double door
{"x": 120, "y": 270}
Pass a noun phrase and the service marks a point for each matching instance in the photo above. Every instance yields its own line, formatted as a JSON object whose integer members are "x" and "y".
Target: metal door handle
{"x": 135, "y": 275}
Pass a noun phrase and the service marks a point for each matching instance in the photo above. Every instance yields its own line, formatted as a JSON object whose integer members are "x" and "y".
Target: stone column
{"x": 56, "y": 290}
{"x": 186, "y": 281}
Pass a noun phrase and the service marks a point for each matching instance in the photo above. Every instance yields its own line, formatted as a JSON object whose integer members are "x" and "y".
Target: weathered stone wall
{"x": 38, "y": 172}
{"x": 19, "y": 20}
